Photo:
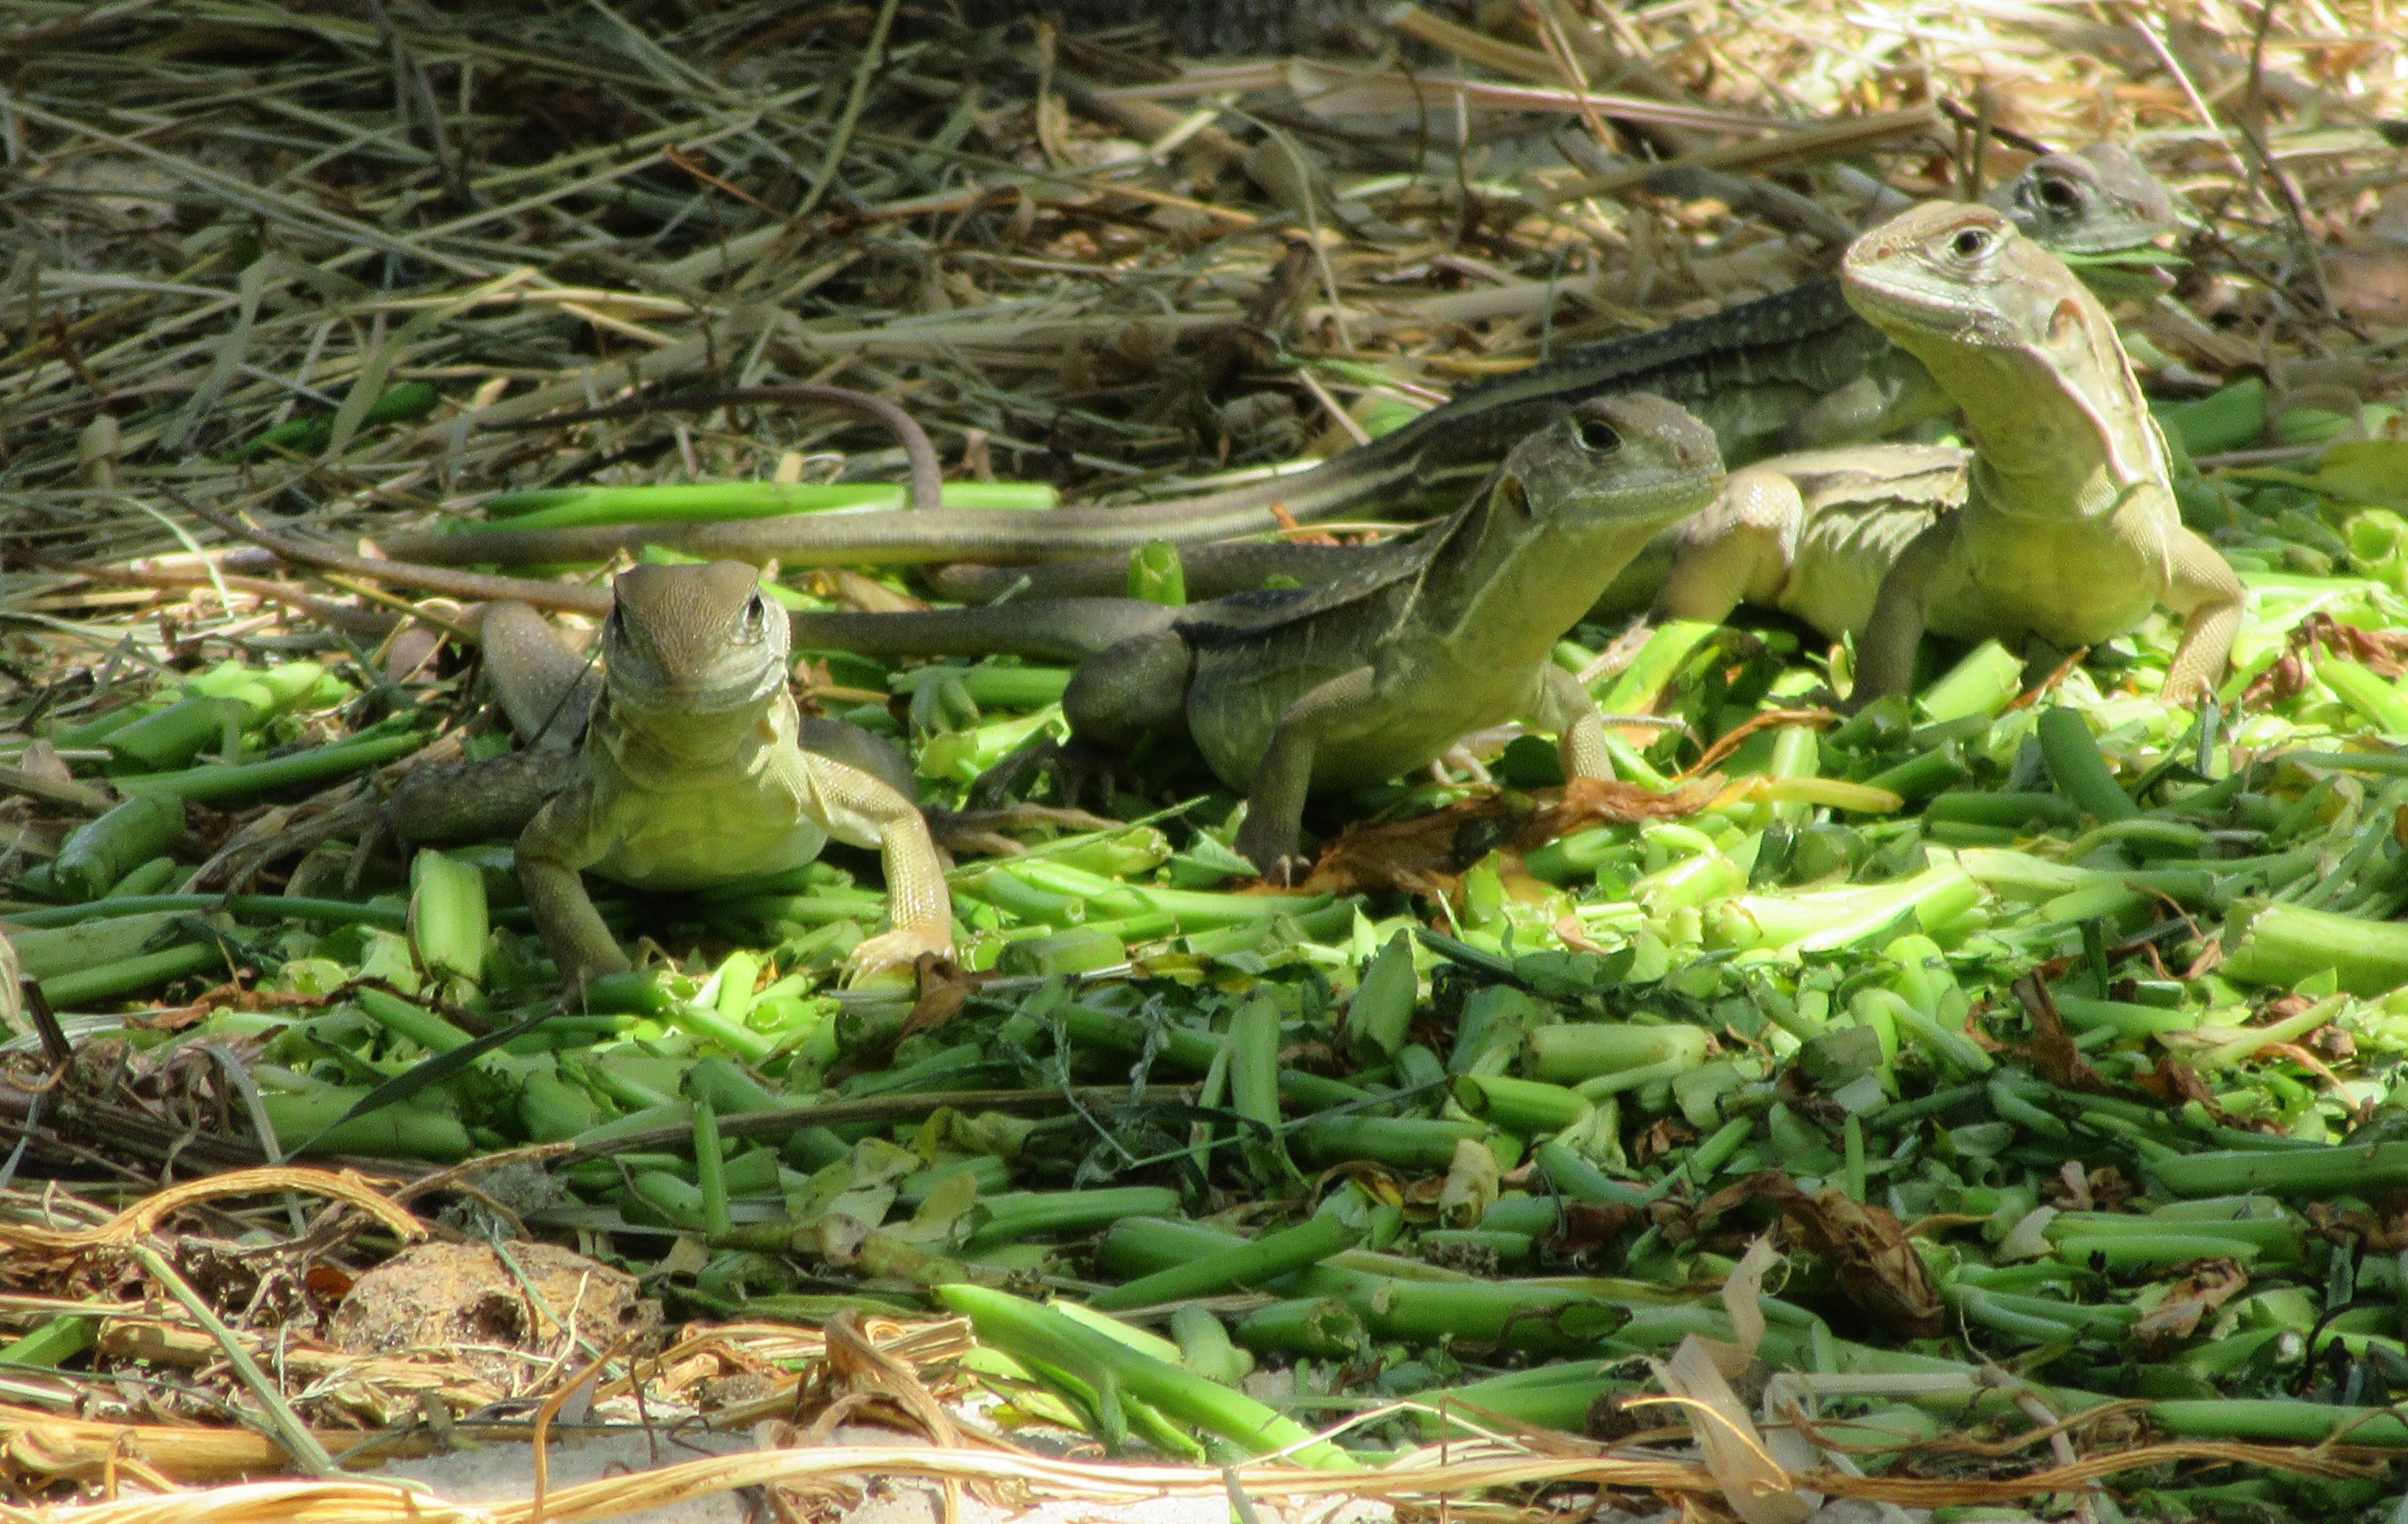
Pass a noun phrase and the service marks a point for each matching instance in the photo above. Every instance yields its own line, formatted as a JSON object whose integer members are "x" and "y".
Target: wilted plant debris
{"x": 1983, "y": 1102}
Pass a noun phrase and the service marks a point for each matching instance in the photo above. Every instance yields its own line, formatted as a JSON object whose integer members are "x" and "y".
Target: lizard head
{"x": 701, "y": 639}
{"x": 1635, "y": 460}
{"x": 1948, "y": 276}
{"x": 2099, "y": 199}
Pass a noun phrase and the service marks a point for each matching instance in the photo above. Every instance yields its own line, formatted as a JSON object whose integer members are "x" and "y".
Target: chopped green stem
{"x": 71, "y": 991}
{"x": 2355, "y": 1171}
{"x": 1029, "y": 1332}
{"x": 2079, "y": 772}
{"x": 1020, "y": 1215}
{"x": 247, "y": 780}
{"x": 2273, "y": 943}
{"x": 1265, "y": 1258}
{"x": 1323, "y": 1328}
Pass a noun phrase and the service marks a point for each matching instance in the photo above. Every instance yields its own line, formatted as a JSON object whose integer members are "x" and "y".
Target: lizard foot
{"x": 899, "y": 948}
{"x": 1286, "y": 872}
{"x": 1276, "y": 854}
{"x": 576, "y": 974}
{"x": 964, "y": 832}
{"x": 2187, "y": 691}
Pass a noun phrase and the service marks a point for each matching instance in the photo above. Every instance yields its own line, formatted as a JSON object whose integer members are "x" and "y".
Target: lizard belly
{"x": 1861, "y": 508}
{"x": 1418, "y": 718}
{"x": 703, "y": 833}
{"x": 1235, "y": 705}
{"x": 2069, "y": 583}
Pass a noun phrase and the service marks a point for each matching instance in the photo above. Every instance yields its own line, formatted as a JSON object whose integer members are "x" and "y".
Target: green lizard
{"x": 1349, "y": 684}
{"x": 1801, "y": 370}
{"x": 1748, "y": 371}
{"x": 2064, "y": 525}
{"x": 694, "y": 768}
{"x": 1380, "y": 672}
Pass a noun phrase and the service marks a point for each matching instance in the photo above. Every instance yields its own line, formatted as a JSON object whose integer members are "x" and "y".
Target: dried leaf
{"x": 2210, "y": 1285}
{"x": 1423, "y": 855}
{"x": 1604, "y": 802}
{"x": 1868, "y": 1249}
{"x": 1753, "y": 1483}
{"x": 1877, "y": 1264}
{"x": 2053, "y": 1052}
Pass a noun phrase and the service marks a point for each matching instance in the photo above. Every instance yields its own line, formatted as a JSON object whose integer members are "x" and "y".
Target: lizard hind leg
{"x": 546, "y": 687}
{"x": 1081, "y": 771}
{"x": 1272, "y": 836}
{"x": 1131, "y": 689}
{"x": 476, "y": 801}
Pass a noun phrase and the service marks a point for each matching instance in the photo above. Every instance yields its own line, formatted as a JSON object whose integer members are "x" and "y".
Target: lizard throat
{"x": 677, "y": 731}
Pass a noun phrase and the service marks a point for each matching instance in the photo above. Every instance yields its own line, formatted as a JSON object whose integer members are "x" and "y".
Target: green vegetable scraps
{"x": 2106, "y": 1001}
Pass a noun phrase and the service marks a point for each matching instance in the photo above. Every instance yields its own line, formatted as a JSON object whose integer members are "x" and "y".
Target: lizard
{"x": 2059, "y": 523}
{"x": 1822, "y": 376}
{"x": 1746, "y": 371}
{"x": 1376, "y": 673}
{"x": 1356, "y": 682}
{"x": 694, "y": 769}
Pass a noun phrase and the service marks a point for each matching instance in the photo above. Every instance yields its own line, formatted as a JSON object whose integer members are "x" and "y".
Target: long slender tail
{"x": 1211, "y": 570}
{"x": 920, "y": 535}
{"x": 1058, "y": 629}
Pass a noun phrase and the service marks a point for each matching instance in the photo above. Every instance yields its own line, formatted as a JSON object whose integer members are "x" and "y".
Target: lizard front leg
{"x": 1562, "y": 705}
{"x": 1885, "y": 650}
{"x": 1736, "y": 550}
{"x": 556, "y": 843}
{"x": 863, "y": 809}
{"x": 1274, "y": 825}
{"x": 2202, "y": 589}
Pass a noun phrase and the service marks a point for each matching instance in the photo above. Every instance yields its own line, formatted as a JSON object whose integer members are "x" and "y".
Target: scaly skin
{"x": 1381, "y": 671}
{"x": 2070, "y": 531}
{"x": 696, "y": 769}
{"x": 1792, "y": 369}
{"x": 1812, "y": 534}
{"x": 1797, "y": 371}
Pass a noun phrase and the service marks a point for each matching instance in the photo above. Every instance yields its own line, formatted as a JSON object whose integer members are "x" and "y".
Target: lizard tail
{"x": 1057, "y": 629}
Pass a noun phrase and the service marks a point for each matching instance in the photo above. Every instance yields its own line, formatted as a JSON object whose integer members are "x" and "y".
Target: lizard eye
{"x": 2059, "y": 195}
{"x": 755, "y": 610}
{"x": 1972, "y": 243}
{"x": 1597, "y": 435}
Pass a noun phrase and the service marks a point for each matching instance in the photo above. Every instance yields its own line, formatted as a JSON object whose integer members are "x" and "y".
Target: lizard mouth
{"x": 1916, "y": 313}
{"x": 650, "y": 692}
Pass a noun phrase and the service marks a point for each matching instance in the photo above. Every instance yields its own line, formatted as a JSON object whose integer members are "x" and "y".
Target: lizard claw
{"x": 577, "y": 975}
{"x": 1281, "y": 861}
{"x": 899, "y": 948}
{"x": 1287, "y": 870}
{"x": 1079, "y": 771}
